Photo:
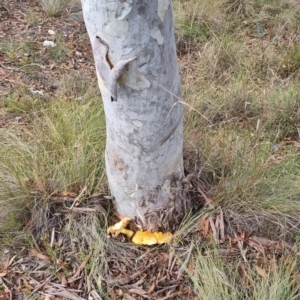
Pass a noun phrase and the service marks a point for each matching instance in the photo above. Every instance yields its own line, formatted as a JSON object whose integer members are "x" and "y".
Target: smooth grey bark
{"x": 135, "y": 56}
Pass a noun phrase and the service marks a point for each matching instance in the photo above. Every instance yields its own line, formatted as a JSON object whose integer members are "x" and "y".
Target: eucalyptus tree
{"x": 136, "y": 64}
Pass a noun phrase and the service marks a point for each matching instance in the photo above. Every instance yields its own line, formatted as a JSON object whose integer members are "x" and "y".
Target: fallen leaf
{"x": 262, "y": 272}
{"x": 237, "y": 239}
{"x": 39, "y": 255}
{"x": 28, "y": 288}
{"x": 203, "y": 226}
{"x": 63, "y": 279}
{"x": 152, "y": 287}
{"x": 68, "y": 194}
{"x": 82, "y": 266}
{"x": 39, "y": 184}
{"x": 11, "y": 260}
{"x": 112, "y": 294}
{"x": 138, "y": 292}
{"x": 64, "y": 293}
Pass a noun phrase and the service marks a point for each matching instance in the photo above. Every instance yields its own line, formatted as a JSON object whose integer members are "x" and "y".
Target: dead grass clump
{"x": 281, "y": 114}
{"x": 213, "y": 279}
{"x": 276, "y": 226}
{"x": 244, "y": 8}
{"x": 53, "y": 8}
{"x": 290, "y": 63}
{"x": 73, "y": 87}
{"x": 196, "y": 23}
{"x": 47, "y": 147}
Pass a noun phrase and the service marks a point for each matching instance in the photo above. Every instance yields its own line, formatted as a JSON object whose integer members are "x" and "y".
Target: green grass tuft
{"x": 60, "y": 147}
{"x": 53, "y": 8}
{"x": 212, "y": 279}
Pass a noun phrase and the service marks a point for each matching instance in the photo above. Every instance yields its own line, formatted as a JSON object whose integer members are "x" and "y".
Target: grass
{"x": 53, "y": 8}
{"x": 60, "y": 148}
{"x": 240, "y": 67}
{"x": 57, "y": 8}
{"x": 212, "y": 279}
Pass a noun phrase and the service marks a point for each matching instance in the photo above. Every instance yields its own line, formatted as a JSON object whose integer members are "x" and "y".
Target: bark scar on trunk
{"x": 108, "y": 72}
{"x": 118, "y": 162}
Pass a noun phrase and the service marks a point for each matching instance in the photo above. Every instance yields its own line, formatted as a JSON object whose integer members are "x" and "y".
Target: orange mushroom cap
{"x": 140, "y": 237}
{"x": 163, "y": 238}
{"x": 119, "y": 227}
{"x": 148, "y": 238}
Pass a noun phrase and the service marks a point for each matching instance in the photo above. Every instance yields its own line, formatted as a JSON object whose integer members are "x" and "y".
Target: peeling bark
{"x": 135, "y": 57}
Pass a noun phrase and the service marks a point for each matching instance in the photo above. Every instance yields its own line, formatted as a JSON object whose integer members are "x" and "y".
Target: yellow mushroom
{"x": 120, "y": 227}
{"x": 140, "y": 237}
{"x": 144, "y": 238}
{"x": 163, "y": 238}
{"x": 148, "y": 238}
{"x": 127, "y": 232}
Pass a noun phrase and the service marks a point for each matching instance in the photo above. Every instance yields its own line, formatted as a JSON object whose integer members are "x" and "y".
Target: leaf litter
{"x": 53, "y": 269}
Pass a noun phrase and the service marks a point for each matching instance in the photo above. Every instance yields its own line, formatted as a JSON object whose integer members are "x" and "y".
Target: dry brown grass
{"x": 240, "y": 67}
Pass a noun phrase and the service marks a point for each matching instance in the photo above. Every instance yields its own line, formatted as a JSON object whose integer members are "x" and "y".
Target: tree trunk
{"x": 135, "y": 56}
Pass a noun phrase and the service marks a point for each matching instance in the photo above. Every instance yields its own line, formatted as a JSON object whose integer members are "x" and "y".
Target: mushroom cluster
{"x": 139, "y": 237}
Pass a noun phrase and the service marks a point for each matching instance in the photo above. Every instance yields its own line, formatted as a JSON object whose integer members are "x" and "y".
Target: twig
{"x": 170, "y": 264}
{"x": 222, "y": 226}
{"x": 95, "y": 295}
{"x": 217, "y": 223}
{"x": 78, "y": 197}
{"x": 214, "y": 230}
{"x": 65, "y": 293}
{"x": 37, "y": 288}
{"x": 35, "y": 243}
{"x": 7, "y": 290}
{"x": 82, "y": 266}
{"x": 52, "y": 237}
{"x": 33, "y": 64}
{"x": 208, "y": 201}
{"x": 9, "y": 68}
{"x": 241, "y": 247}
{"x": 183, "y": 267}
{"x": 172, "y": 295}
{"x": 129, "y": 278}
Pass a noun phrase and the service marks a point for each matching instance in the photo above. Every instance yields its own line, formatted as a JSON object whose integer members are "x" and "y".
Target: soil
{"x": 39, "y": 272}
{"x": 24, "y": 28}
